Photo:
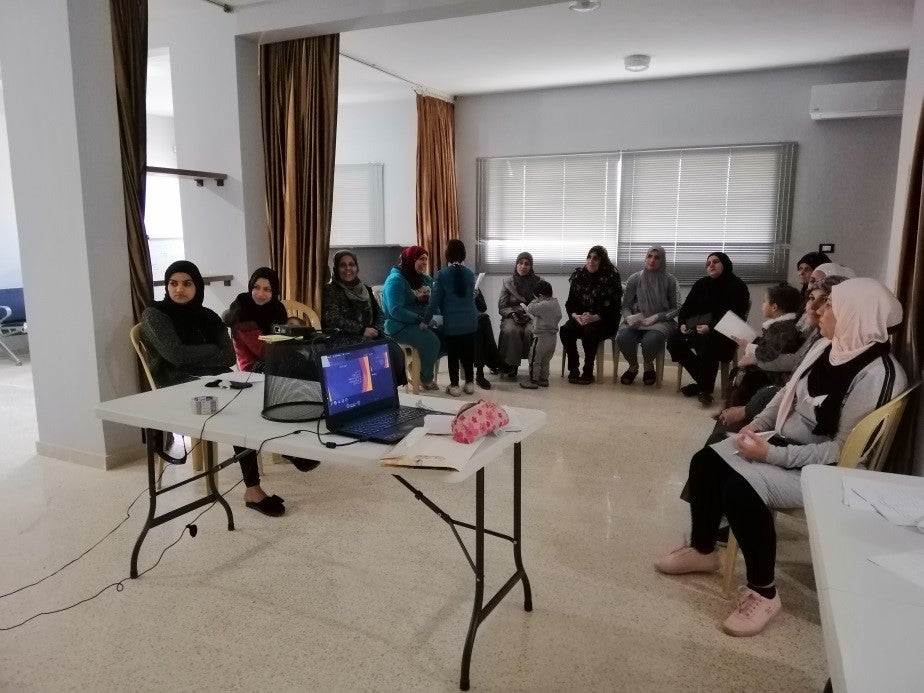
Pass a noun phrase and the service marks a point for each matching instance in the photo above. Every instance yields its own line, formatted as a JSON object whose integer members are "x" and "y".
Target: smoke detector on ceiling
{"x": 584, "y": 5}
{"x": 637, "y": 62}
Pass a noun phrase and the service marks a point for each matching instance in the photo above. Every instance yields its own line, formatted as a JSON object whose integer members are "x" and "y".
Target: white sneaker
{"x": 752, "y": 613}
{"x": 454, "y": 390}
{"x": 469, "y": 387}
{"x": 685, "y": 560}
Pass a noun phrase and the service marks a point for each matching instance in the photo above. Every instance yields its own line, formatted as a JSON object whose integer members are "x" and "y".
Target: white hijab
{"x": 832, "y": 269}
{"x": 863, "y": 309}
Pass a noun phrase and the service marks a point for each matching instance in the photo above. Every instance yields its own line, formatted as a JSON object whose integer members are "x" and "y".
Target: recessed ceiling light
{"x": 637, "y": 62}
{"x": 584, "y": 5}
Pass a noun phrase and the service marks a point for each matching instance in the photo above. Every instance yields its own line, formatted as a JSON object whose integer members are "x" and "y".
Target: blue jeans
{"x": 652, "y": 342}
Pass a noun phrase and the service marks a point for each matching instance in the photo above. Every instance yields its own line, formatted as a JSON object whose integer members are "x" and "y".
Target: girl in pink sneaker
{"x": 845, "y": 375}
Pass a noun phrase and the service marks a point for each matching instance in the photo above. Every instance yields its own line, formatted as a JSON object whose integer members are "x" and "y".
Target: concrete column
{"x": 59, "y": 89}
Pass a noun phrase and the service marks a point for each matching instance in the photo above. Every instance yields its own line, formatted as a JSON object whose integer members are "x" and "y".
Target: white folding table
{"x": 240, "y": 423}
{"x": 872, "y": 619}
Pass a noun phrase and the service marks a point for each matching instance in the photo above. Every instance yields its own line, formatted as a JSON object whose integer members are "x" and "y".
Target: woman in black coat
{"x": 696, "y": 346}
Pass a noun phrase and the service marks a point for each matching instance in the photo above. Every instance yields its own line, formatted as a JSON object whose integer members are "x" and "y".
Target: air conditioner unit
{"x": 858, "y": 99}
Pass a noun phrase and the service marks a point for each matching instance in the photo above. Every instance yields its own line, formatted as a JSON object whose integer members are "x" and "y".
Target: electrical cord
{"x": 330, "y": 445}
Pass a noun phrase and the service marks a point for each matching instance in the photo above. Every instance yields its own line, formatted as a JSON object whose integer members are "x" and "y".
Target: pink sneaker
{"x": 752, "y": 613}
{"x": 686, "y": 559}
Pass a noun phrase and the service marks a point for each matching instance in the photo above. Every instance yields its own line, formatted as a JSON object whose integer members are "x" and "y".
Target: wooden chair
{"x": 868, "y": 442}
{"x": 198, "y": 452}
{"x": 296, "y": 309}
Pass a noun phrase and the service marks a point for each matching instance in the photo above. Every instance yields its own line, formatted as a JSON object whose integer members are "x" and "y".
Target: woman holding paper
{"x": 696, "y": 346}
{"x": 847, "y": 374}
{"x": 516, "y": 333}
{"x": 405, "y": 295}
{"x": 649, "y": 306}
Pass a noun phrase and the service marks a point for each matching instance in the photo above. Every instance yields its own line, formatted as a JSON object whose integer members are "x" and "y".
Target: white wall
{"x": 385, "y": 132}
{"x": 10, "y": 271}
{"x": 845, "y": 168}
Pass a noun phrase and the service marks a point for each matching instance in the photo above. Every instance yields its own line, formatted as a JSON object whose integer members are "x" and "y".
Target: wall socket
{"x": 825, "y": 247}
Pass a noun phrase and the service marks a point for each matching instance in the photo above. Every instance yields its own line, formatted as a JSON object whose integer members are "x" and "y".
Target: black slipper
{"x": 649, "y": 378}
{"x": 268, "y": 506}
{"x": 691, "y": 390}
{"x": 629, "y": 377}
{"x": 277, "y": 499}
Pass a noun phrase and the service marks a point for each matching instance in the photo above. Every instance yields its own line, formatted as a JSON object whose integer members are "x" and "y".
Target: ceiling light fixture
{"x": 637, "y": 62}
{"x": 584, "y": 5}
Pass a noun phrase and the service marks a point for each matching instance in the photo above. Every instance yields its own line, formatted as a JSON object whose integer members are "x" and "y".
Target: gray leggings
{"x": 652, "y": 342}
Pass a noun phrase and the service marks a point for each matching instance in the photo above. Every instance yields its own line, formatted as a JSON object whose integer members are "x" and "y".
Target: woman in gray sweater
{"x": 848, "y": 373}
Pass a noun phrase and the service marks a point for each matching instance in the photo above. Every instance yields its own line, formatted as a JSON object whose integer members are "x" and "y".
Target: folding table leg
{"x": 479, "y": 580}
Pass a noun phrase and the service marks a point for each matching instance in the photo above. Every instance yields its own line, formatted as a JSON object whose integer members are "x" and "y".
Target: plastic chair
{"x": 198, "y": 453}
{"x": 725, "y": 368}
{"x": 296, "y": 309}
{"x": 659, "y": 362}
{"x": 868, "y": 442}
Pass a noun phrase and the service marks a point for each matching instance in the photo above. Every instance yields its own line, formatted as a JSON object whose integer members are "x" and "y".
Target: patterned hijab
{"x": 355, "y": 290}
{"x": 653, "y": 285}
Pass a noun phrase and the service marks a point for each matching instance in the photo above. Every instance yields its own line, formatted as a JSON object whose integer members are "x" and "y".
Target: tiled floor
{"x": 359, "y": 586}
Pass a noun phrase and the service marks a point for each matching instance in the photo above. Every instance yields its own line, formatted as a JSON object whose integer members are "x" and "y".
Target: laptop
{"x": 361, "y": 397}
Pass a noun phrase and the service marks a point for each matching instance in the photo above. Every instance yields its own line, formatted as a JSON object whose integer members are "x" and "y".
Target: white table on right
{"x": 872, "y": 620}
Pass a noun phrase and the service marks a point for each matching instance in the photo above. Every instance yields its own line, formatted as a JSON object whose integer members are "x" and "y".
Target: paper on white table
{"x": 908, "y": 565}
{"x": 732, "y": 326}
{"x": 900, "y": 505}
{"x": 422, "y": 450}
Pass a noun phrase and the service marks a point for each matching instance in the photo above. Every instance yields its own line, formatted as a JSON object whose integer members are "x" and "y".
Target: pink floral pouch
{"x": 478, "y": 420}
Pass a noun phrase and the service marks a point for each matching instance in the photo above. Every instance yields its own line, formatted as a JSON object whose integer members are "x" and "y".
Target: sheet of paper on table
{"x": 732, "y": 326}
{"x": 423, "y": 450}
{"x": 908, "y": 565}
{"x": 900, "y": 505}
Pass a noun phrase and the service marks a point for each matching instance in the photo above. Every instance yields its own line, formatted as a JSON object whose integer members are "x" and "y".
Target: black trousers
{"x": 590, "y": 336}
{"x": 460, "y": 348}
{"x": 250, "y": 470}
{"x": 716, "y": 490}
{"x": 700, "y": 354}
{"x": 486, "y": 353}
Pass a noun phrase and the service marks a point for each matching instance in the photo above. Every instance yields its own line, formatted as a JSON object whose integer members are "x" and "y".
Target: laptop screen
{"x": 357, "y": 377}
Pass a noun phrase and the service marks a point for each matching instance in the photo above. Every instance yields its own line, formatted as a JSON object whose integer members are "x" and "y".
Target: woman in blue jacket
{"x": 405, "y": 295}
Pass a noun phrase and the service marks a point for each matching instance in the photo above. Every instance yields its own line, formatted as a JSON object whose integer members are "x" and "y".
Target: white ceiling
{"x": 549, "y": 45}
{"x": 552, "y": 46}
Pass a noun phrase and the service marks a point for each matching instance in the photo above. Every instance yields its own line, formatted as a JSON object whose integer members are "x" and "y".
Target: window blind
{"x": 693, "y": 201}
{"x": 358, "y": 214}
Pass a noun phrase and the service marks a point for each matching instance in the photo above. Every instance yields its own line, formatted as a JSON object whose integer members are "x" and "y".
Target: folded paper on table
{"x": 732, "y": 326}
{"x": 900, "y": 505}
{"x": 420, "y": 450}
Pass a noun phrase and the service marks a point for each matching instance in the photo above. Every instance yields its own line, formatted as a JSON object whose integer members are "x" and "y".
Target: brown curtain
{"x": 437, "y": 207}
{"x": 298, "y": 84}
{"x": 129, "y": 21}
{"x": 910, "y": 291}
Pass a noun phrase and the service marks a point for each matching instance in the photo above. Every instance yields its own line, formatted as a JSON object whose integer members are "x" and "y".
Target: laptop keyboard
{"x": 388, "y": 419}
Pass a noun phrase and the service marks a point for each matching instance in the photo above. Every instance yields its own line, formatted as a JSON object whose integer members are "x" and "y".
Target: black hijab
{"x": 245, "y": 309}
{"x": 194, "y": 324}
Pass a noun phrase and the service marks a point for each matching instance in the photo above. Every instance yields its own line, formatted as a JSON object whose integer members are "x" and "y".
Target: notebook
{"x": 361, "y": 397}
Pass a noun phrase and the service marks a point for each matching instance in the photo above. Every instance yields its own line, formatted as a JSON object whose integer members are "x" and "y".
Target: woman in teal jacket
{"x": 405, "y": 295}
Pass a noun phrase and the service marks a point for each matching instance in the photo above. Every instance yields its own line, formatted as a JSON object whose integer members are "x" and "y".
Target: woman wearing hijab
{"x": 696, "y": 346}
{"x": 830, "y": 269}
{"x": 252, "y": 314}
{"x": 516, "y": 332}
{"x": 405, "y": 295}
{"x": 804, "y": 268}
{"x": 348, "y": 305}
{"x": 185, "y": 340}
{"x": 649, "y": 306}
{"x": 846, "y": 374}
{"x": 593, "y": 304}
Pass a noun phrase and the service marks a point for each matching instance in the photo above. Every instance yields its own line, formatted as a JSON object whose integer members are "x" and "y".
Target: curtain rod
{"x": 419, "y": 88}
{"x": 224, "y": 6}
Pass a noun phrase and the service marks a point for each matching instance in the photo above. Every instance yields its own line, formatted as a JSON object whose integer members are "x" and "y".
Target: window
{"x": 692, "y": 201}
{"x": 358, "y": 208}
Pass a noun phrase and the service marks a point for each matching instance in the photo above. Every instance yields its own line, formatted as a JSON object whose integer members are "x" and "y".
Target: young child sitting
{"x": 780, "y": 335}
{"x": 546, "y": 314}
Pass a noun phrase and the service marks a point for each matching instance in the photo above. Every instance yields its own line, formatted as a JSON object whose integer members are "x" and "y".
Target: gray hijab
{"x": 653, "y": 286}
{"x": 525, "y": 286}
